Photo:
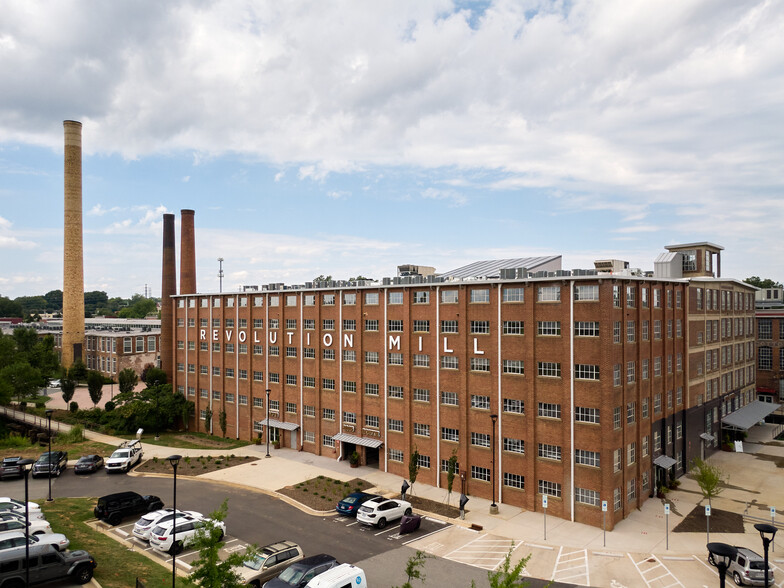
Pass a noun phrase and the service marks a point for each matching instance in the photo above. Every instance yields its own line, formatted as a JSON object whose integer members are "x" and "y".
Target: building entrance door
{"x": 293, "y": 440}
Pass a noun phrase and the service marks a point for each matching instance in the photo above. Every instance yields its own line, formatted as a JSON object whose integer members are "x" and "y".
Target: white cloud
{"x": 338, "y": 194}
{"x": 454, "y": 198}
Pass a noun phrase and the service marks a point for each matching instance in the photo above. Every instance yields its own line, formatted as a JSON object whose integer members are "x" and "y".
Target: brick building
{"x": 587, "y": 386}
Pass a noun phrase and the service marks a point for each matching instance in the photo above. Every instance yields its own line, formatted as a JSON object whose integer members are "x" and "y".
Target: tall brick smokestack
{"x": 187, "y": 253}
{"x": 168, "y": 289}
{"x": 73, "y": 260}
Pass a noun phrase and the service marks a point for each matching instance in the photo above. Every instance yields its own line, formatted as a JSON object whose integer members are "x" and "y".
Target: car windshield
{"x": 48, "y": 457}
{"x": 757, "y": 564}
{"x": 10, "y": 460}
{"x": 292, "y": 575}
{"x": 87, "y": 459}
{"x": 350, "y": 499}
{"x": 256, "y": 561}
{"x": 160, "y": 531}
{"x": 120, "y": 453}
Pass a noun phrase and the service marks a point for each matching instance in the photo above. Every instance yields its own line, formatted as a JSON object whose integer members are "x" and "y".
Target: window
{"x": 421, "y": 360}
{"x": 586, "y": 415}
{"x": 644, "y": 329}
{"x": 395, "y": 425}
{"x": 309, "y": 381}
{"x": 216, "y": 394}
{"x": 645, "y": 408}
{"x": 328, "y": 299}
{"x": 631, "y": 297}
{"x": 514, "y": 445}
{"x": 480, "y": 364}
{"x": 631, "y": 493}
{"x": 548, "y": 294}
{"x": 328, "y": 383}
{"x": 257, "y": 402}
{"x": 449, "y": 398}
{"x": 395, "y": 359}
{"x": 657, "y": 329}
{"x": 448, "y": 296}
{"x": 395, "y": 326}
{"x": 586, "y": 329}
{"x": 550, "y": 488}
{"x": 291, "y": 352}
{"x": 216, "y": 347}
{"x": 349, "y": 355}
{"x": 449, "y": 362}
{"x": 327, "y": 441}
{"x": 373, "y": 422}
{"x": 765, "y": 358}
{"x": 422, "y": 297}
{"x": 514, "y": 481}
{"x": 448, "y": 434}
{"x": 215, "y": 370}
{"x": 549, "y": 369}
{"x": 371, "y": 297}
{"x": 274, "y": 351}
{"x": 349, "y": 325}
{"x": 308, "y": 437}
{"x": 309, "y": 411}
{"x": 480, "y": 295}
{"x": 395, "y": 392}
{"x": 371, "y": 389}
{"x": 371, "y": 356}
{"x": 349, "y": 298}
{"x": 514, "y": 405}
{"x": 513, "y": 366}
{"x": 586, "y": 496}
{"x": 617, "y": 417}
{"x": 349, "y": 386}
{"x": 395, "y": 297}
{"x": 449, "y": 326}
{"x": 513, "y": 295}
{"x": 582, "y": 293}
{"x": 631, "y": 368}
{"x": 421, "y": 395}
{"x": 482, "y": 402}
{"x": 421, "y": 326}
{"x": 657, "y": 403}
{"x": 657, "y": 441}
{"x": 617, "y": 460}
{"x": 328, "y": 324}
{"x": 229, "y": 372}
{"x": 479, "y": 473}
{"x": 616, "y": 296}
{"x": 309, "y": 324}
{"x": 549, "y": 410}
{"x": 588, "y": 458}
{"x": 258, "y": 376}
{"x": 480, "y": 439}
{"x": 371, "y": 325}
{"x": 617, "y": 332}
{"x": 395, "y": 455}
{"x": 510, "y": 328}
{"x": 274, "y": 378}
{"x": 586, "y": 372}
{"x": 291, "y": 407}
{"x": 350, "y": 417}
{"x": 548, "y": 328}
{"x": 328, "y": 354}
{"x": 328, "y": 414}
{"x": 631, "y": 413}
{"x": 631, "y": 328}
{"x": 309, "y": 353}
{"x": 273, "y": 323}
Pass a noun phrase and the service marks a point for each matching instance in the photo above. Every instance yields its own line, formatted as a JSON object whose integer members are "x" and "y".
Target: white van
{"x": 342, "y": 576}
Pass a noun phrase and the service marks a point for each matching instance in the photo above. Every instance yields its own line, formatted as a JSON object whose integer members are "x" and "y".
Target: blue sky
{"x": 347, "y": 138}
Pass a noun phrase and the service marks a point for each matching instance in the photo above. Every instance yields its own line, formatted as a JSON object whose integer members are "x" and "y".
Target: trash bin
{"x": 410, "y": 523}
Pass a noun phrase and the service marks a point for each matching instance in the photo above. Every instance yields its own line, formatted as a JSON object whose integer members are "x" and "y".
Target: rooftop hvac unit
{"x": 521, "y": 273}
{"x": 386, "y": 281}
{"x": 406, "y": 280}
{"x": 431, "y": 279}
{"x": 563, "y": 273}
{"x": 418, "y": 280}
{"x": 395, "y": 280}
{"x": 308, "y": 284}
{"x": 540, "y": 274}
{"x": 507, "y": 273}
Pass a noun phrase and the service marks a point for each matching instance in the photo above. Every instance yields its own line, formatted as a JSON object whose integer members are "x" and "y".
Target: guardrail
{"x": 32, "y": 419}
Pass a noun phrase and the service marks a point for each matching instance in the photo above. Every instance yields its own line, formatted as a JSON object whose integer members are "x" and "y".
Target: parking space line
{"x": 645, "y": 573}
{"x": 385, "y": 531}
{"x": 423, "y": 536}
{"x": 564, "y": 565}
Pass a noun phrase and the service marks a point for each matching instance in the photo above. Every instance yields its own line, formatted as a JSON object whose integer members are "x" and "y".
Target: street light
{"x": 266, "y": 427}
{"x": 763, "y": 529}
{"x": 24, "y": 464}
{"x": 49, "y": 434}
{"x": 494, "y": 506}
{"x": 174, "y": 460}
{"x": 220, "y": 273}
{"x": 721, "y": 555}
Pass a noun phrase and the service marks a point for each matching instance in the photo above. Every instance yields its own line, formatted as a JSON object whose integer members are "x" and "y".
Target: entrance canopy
{"x": 664, "y": 461}
{"x": 280, "y": 424}
{"x": 745, "y": 418}
{"x": 364, "y": 441}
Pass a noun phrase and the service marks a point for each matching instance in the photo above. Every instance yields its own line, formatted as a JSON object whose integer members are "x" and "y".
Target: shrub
{"x": 73, "y": 407}
{"x": 40, "y": 404}
{"x": 23, "y": 405}
{"x": 109, "y": 406}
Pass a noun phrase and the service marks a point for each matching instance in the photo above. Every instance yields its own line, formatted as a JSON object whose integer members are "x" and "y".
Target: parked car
{"x": 162, "y": 536}
{"x": 88, "y": 464}
{"x": 379, "y": 511}
{"x": 46, "y": 564}
{"x": 270, "y": 561}
{"x": 54, "y": 384}
{"x": 127, "y": 455}
{"x": 35, "y": 526}
{"x": 17, "y": 538}
{"x": 747, "y": 567}
{"x": 10, "y": 468}
{"x": 142, "y": 528}
{"x": 50, "y": 464}
{"x": 339, "y": 577}
{"x": 113, "y": 507}
{"x": 15, "y": 516}
{"x": 300, "y": 573}
{"x": 12, "y": 505}
{"x": 351, "y": 503}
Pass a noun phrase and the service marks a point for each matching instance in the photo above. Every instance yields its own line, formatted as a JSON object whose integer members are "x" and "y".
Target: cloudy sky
{"x": 349, "y": 137}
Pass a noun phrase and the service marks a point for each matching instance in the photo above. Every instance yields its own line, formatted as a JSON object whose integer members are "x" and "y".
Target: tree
{"x": 208, "y": 421}
{"x": 507, "y": 576}
{"x": 78, "y": 371}
{"x": 360, "y": 277}
{"x": 413, "y": 467}
{"x": 762, "y": 283}
{"x": 154, "y": 376}
{"x": 140, "y": 307}
{"x": 210, "y": 570}
{"x": 322, "y": 278}
{"x": 451, "y": 469}
{"x": 23, "y": 379}
{"x": 95, "y": 386}
{"x": 413, "y": 568}
{"x": 68, "y": 387}
{"x": 710, "y": 478}
{"x": 223, "y": 422}
{"x": 127, "y": 380}
{"x": 10, "y": 308}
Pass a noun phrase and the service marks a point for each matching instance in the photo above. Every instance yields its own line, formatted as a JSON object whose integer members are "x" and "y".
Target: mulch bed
{"x": 323, "y": 493}
{"x": 193, "y": 466}
{"x": 721, "y": 521}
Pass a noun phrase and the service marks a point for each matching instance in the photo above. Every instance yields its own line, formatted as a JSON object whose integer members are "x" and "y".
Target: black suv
{"x": 47, "y": 564}
{"x": 113, "y": 507}
{"x": 50, "y": 464}
{"x": 10, "y": 468}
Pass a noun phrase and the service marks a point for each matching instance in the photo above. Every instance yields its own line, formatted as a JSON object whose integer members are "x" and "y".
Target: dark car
{"x": 46, "y": 564}
{"x": 50, "y": 464}
{"x": 303, "y": 571}
{"x": 351, "y": 503}
{"x": 10, "y": 468}
{"x": 88, "y": 464}
{"x": 113, "y": 507}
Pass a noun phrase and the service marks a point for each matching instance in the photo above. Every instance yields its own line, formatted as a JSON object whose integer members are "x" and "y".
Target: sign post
{"x": 773, "y": 522}
{"x": 544, "y": 506}
{"x": 604, "y": 523}
{"x": 707, "y": 520}
{"x": 667, "y": 525}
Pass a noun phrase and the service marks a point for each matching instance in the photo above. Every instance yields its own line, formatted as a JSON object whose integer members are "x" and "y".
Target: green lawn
{"x": 188, "y": 440}
{"x": 117, "y": 566}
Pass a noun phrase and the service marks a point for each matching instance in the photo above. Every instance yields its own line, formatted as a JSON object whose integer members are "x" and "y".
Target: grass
{"x": 15, "y": 445}
{"x": 117, "y": 566}
{"x": 189, "y": 440}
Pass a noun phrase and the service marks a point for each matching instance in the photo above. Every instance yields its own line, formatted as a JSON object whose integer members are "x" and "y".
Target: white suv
{"x": 125, "y": 457}
{"x": 142, "y": 528}
{"x": 161, "y": 535}
{"x": 379, "y": 511}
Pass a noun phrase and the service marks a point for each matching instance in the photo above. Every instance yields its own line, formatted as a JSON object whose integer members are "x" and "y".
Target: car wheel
{"x": 83, "y": 574}
{"x": 176, "y": 549}
{"x": 737, "y": 578}
{"x": 408, "y": 512}
{"x": 221, "y": 536}
{"x": 114, "y": 518}
{"x": 14, "y": 584}
{"x": 156, "y": 506}
{"x": 382, "y": 522}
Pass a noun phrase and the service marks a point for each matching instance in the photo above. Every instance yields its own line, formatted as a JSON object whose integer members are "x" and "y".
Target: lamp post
{"x": 25, "y": 465}
{"x": 174, "y": 460}
{"x": 49, "y": 434}
{"x": 266, "y": 426}
{"x": 764, "y": 529}
{"x": 494, "y": 506}
{"x": 220, "y": 274}
{"x": 720, "y": 555}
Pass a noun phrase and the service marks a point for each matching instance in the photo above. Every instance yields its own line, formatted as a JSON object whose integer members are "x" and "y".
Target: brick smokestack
{"x": 73, "y": 260}
{"x": 187, "y": 253}
{"x": 168, "y": 289}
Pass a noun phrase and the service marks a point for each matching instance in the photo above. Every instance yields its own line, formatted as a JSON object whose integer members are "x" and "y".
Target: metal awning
{"x": 364, "y": 441}
{"x": 280, "y": 424}
{"x": 707, "y": 437}
{"x": 746, "y": 417}
{"x": 664, "y": 461}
